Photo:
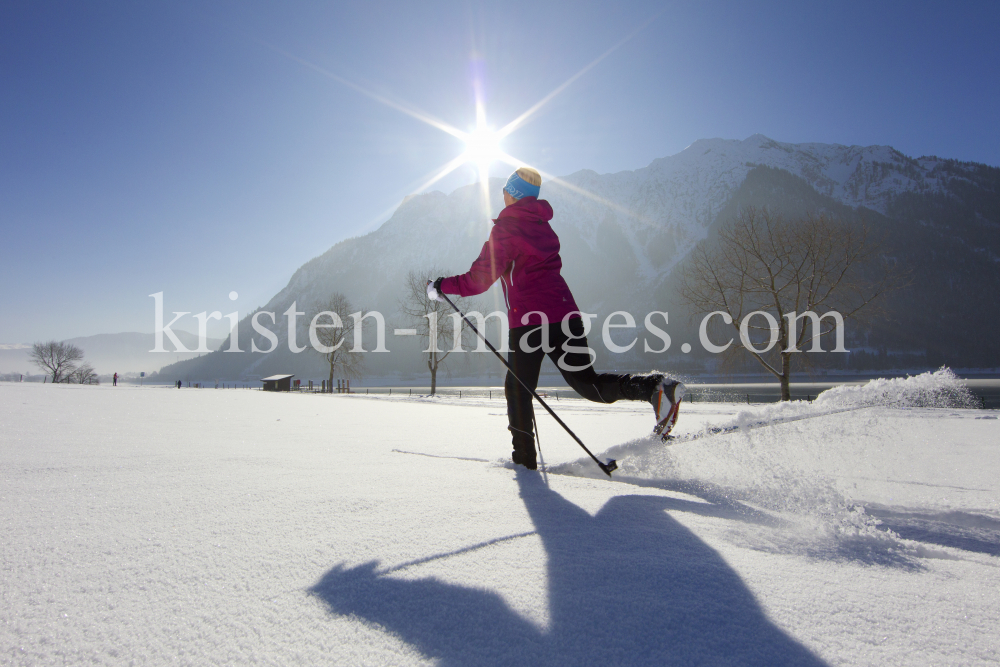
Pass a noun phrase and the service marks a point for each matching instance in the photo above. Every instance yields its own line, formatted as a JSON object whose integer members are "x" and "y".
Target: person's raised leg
{"x": 572, "y": 356}
{"x": 575, "y": 361}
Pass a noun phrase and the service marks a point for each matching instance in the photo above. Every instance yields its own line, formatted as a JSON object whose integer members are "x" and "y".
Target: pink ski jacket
{"x": 523, "y": 252}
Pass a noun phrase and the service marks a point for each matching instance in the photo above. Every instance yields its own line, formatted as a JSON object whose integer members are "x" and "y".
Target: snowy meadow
{"x": 163, "y": 526}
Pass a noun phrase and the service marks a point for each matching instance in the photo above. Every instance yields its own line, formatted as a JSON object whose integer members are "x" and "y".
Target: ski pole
{"x": 606, "y": 467}
{"x": 541, "y": 458}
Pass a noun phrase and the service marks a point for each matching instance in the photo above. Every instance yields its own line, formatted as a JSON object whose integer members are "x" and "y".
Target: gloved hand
{"x": 434, "y": 289}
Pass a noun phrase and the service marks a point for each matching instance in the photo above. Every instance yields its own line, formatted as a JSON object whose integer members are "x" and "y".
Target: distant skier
{"x": 523, "y": 252}
{"x": 114, "y": 380}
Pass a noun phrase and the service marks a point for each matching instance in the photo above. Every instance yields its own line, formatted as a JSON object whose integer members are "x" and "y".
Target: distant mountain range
{"x": 623, "y": 235}
{"x": 121, "y": 353}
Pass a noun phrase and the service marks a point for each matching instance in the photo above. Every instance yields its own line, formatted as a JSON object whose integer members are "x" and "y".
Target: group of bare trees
{"x": 334, "y": 339}
{"x": 62, "y": 362}
{"x": 435, "y": 323}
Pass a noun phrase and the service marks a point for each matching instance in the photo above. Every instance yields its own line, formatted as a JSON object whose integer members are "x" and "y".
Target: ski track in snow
{"x": 157, "y": 526}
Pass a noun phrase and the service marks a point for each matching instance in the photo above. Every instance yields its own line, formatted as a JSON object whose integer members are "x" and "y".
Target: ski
{"x": 724, "y": 430}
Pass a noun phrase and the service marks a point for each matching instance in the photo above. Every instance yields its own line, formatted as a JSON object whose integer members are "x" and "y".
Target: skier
{"x": 523, "y": 252}
{"x": 114, "y": 380}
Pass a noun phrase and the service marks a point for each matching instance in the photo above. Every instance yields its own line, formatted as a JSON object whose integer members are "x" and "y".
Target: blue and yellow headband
{"x": 518, "y": 188}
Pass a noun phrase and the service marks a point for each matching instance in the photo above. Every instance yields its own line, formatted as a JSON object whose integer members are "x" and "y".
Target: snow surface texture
{"x": 814, "y": 464}
{"x": 156, "y": 526}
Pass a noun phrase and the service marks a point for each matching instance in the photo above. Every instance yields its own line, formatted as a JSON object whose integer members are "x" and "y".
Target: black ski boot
{"x": 524, "y": 450}
{"x": 659, "y": 390}
{"x": 666, "y": 401}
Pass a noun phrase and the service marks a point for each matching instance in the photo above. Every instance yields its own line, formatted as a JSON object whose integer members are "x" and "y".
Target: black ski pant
{"x": 569, "y": 354}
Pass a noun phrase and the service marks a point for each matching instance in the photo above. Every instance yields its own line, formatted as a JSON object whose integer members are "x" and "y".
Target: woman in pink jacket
{"x": 523, "y": 253}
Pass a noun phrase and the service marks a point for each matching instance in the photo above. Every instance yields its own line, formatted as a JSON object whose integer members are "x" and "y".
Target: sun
{"x": 482, "y": 144}
{"x": 482, "y": 147}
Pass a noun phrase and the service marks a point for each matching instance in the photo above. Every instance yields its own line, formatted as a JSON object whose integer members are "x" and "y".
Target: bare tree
{"x": 764, "y": 273}
{"x": 56, "y": 358}
{"x": 330, "y": 321}
{"x": 84, "y": 374}
{"x": 434, "y": 321}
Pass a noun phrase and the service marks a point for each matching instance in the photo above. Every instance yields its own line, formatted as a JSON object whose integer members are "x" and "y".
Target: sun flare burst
{"x": 482, "y": 147}
{"x": 482, "y": 144}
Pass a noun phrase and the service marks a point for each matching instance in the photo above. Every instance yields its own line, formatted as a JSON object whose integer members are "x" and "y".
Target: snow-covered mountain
{"x": 653, "y": 215}
{"x": 665, "y": 208}
{"x": 621, "y": 234}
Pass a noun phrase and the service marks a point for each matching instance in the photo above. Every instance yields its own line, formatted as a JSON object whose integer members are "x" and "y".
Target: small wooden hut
{"x": 278, "y": 383}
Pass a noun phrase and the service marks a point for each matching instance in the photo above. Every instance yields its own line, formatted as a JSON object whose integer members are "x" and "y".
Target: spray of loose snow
{"x": 794, "y": 462}
{"x": 940, "y": 389}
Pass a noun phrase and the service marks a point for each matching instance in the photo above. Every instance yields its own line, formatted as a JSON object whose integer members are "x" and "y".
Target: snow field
{"x": 153, "y": 526}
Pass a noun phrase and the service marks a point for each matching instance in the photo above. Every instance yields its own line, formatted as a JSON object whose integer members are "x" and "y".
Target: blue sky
{"x": 186, "y": 147}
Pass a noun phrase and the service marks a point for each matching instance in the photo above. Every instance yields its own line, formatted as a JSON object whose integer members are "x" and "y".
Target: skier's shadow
{"x": 628, "y": 586}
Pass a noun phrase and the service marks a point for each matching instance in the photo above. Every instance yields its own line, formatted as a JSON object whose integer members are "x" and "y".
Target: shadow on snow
{"x": 628, "y": 586}
{"x": 960, "y": 530}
